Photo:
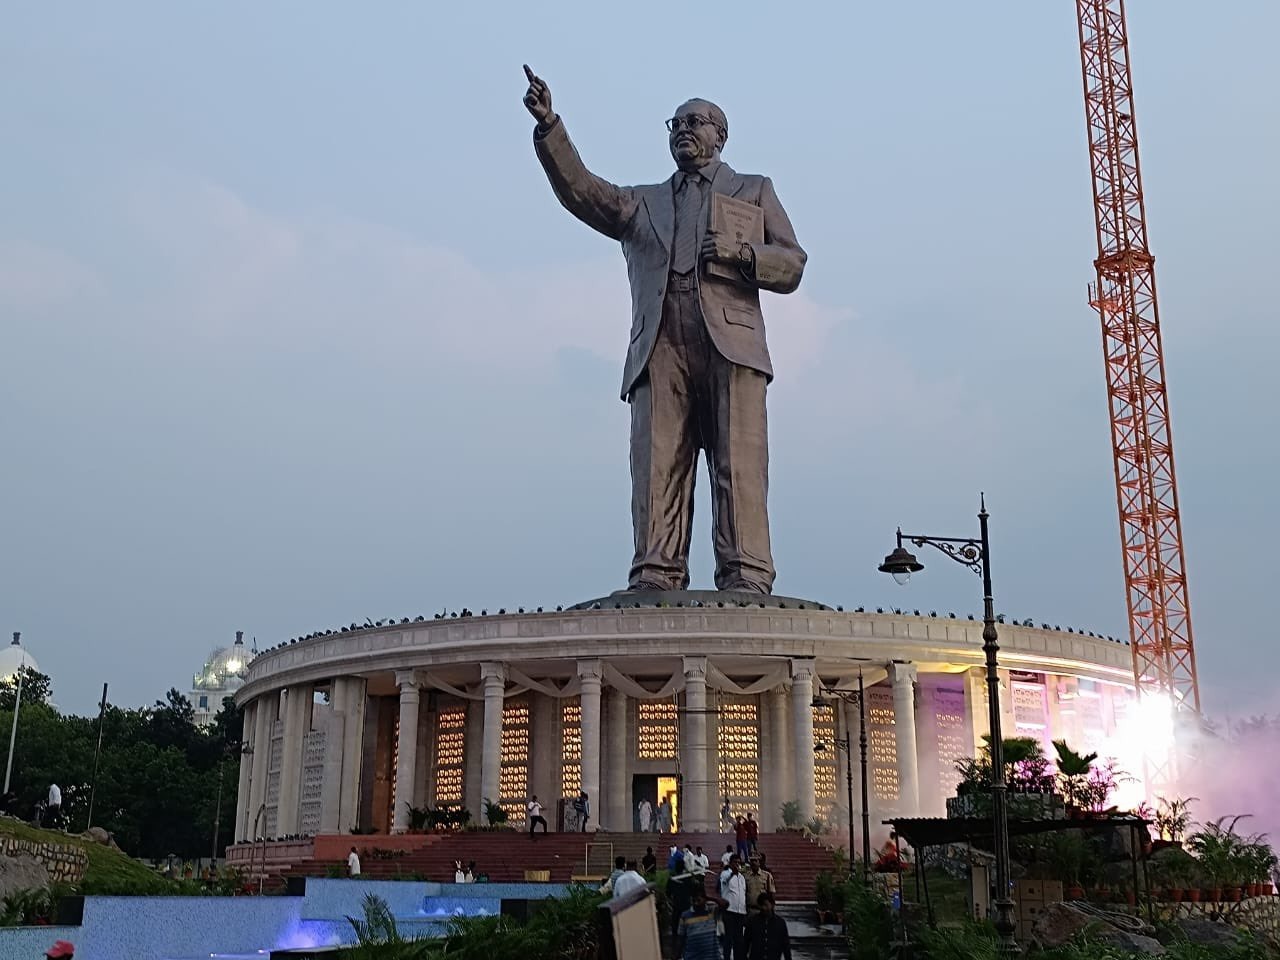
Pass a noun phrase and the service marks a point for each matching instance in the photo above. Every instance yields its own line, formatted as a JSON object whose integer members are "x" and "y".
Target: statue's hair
{"x": 716, "y": 114}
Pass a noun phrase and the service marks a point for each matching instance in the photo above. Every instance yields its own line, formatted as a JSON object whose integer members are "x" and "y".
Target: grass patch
{"x": 109, "y": 871}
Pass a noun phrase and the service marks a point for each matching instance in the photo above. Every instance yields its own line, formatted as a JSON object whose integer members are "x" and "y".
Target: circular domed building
{"x": 693, "y": 696}
{"x": 14, "y": 657}
{"x": 221, "y": 676}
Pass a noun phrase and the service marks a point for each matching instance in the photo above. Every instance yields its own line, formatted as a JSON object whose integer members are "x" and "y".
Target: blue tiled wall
{"x": 187, "y": 928}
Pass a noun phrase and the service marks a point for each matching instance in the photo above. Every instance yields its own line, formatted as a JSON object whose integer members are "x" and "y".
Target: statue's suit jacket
{"x": 643, "y": 219}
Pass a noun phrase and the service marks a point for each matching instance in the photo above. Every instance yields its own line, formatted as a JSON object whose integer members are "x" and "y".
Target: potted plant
{"x": 494, "y": 813}
{"x": 1066, "y": 856}
{"x": 1073, "y": 775}
{"x": 826, "y": 895}
{"x": 1222, "y": 855}
{"x": 1172, "y": 818}
{"x": 791, "y": 817}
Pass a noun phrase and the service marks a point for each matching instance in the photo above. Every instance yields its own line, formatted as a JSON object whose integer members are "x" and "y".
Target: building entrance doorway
{"x": 655, "y": 788}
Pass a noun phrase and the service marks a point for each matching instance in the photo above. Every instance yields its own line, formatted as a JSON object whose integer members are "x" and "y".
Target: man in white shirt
{"x": 726, "y": 856}
{"x": 733, "y": 887}
{"x": 535, "y": 816}
{"x": 353, "y": 863}
{"x": 700, "y": 862}
{"x": 629, "y": 880}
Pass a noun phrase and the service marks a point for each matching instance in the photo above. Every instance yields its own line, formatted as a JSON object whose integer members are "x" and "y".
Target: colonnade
{"x": 276, "y": 724}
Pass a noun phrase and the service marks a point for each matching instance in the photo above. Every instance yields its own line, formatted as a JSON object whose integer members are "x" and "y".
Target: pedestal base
{"x": 639, "y": 599}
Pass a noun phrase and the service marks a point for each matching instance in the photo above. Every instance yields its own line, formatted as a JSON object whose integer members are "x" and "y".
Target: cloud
{"x": 226, "y": 271}
{"x": 33, "y": 277}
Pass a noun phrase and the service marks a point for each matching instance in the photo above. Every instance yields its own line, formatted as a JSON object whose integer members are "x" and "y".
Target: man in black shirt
{"x": 650, "y": 863}
{"x": 767, "y": 937}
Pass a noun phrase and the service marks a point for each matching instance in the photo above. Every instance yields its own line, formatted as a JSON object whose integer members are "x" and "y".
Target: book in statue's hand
{"x": 739, "y": 220}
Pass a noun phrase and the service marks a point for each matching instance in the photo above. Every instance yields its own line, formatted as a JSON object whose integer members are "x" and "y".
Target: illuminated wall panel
{"x": 824, "y": 762}
{"x": 514, "y": 774}
{"x": 657, "y": 730}
{"x": 451, "y": 740}
{"x": 570, "y": 747}
{"x": 738, "y": 744}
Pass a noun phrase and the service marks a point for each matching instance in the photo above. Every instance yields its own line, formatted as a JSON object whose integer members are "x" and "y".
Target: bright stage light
{"x": 1143, "y": 740}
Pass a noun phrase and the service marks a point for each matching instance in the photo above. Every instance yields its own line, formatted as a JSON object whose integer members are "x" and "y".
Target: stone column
{"x": 766, "y": 765}
{"x": 406, "y": 750}
{"x": 843, "y": 758}
{"x": 802, "y": 672}
{"x": 494, "y": 676}
{"x": 334, "y": 742}
{"x": 903, "y": 678}
{"x": 246, "y": 771}
{"x": 353, "y": 705}
{"x": 544, "y": 753}
{"x": 619, "y": 817}
{"x": 975, "y": 705}
{"x": 296, "y": 712}
{"x": 783, "y": 772}
{"x": 264, "y": 716}
{"x": 589, "y": 672}
{"x": 423, "y": 782}
{"x": 694, "y": 815}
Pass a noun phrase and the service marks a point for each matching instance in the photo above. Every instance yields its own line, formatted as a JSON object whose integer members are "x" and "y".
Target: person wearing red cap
{"x": 62, "y": 950}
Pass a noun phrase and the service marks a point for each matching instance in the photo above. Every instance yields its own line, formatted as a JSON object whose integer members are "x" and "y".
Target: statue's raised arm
{"x": 537, "y": 99}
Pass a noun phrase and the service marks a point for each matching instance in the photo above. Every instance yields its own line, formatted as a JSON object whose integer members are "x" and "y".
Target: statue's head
{"x": 698, "y": 133}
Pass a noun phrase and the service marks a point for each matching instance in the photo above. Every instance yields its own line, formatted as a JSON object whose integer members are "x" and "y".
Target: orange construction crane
{"x": 1124, "y": 294}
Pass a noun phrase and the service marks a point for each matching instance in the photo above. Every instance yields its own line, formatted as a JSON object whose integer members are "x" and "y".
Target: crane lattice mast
{"x": 1124, "y": 294}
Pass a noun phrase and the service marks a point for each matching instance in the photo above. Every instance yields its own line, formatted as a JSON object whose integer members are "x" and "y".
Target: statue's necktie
{"x": 684, "y": 255}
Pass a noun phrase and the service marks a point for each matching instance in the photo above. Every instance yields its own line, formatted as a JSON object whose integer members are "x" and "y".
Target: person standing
{"x": 742, "y": 848}
{"x": 664, "y": 815}
{"x": 680, "y": 889}
{"x": 53, "y": 806}
{"x": 628, "y": 881}
{"x": 582, "y": 806}
{"x": 696, "y": 929}
{"x": 701, "y": 863}
{"x": 726, "y": 817}
{"x": 759, "y": 881}
{"x": 753, "y": 832}
{"x": 650, "y": 862}
{"x": 535, "y": 816}
{"x": 734, "y": 891}
{"x": 726, "y": 856}
{"x": 353, "y": 863}
{"x": 766, "y": 933}
{"x": 619, "y": 868}
{"x": 644, "y": 813}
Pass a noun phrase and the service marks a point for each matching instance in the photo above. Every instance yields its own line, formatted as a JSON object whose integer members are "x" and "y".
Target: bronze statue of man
{"x": 697, "y": 366}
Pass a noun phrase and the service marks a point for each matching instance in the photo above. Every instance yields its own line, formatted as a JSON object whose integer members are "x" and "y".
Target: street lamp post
{"x": 845, "y": 744}
{"x": 976, "y": 555}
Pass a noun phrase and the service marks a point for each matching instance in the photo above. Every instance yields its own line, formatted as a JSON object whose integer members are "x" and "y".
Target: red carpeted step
{"x": 504, "y": 857}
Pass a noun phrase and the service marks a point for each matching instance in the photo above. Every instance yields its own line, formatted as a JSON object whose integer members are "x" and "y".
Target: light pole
{"x": 860, "y": 699}
{"x": 17, "y": 704}
{"x": 976, "y": 555}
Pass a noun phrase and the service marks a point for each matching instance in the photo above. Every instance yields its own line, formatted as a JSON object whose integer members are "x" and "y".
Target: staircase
{"x": 505, "y": 856}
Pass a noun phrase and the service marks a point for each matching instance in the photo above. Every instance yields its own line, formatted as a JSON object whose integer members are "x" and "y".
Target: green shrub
{"x": 868, "y": 922}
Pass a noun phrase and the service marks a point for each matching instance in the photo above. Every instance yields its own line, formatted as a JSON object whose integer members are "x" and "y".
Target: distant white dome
{"x": 225, "y": 669}
{"x": 13, "y": 658}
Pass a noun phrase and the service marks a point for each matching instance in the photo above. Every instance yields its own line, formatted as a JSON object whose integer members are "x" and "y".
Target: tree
{"x": 36, "y": 688}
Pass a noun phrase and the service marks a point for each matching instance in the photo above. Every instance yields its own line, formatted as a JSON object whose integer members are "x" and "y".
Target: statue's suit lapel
{"x": 662, "y": 211}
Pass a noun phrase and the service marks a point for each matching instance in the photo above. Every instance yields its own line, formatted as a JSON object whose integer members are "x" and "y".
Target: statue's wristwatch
{"x": 746, "y": 256}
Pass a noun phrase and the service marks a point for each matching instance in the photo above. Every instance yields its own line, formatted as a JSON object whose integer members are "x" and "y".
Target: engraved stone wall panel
{"x": 311, "y": 794}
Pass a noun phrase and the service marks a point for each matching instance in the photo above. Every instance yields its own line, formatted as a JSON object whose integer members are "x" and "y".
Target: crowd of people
{"x": 725, "y": 912}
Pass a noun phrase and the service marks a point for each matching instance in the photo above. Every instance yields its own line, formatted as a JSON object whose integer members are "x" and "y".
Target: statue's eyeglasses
{"x": 690, "y": 121}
